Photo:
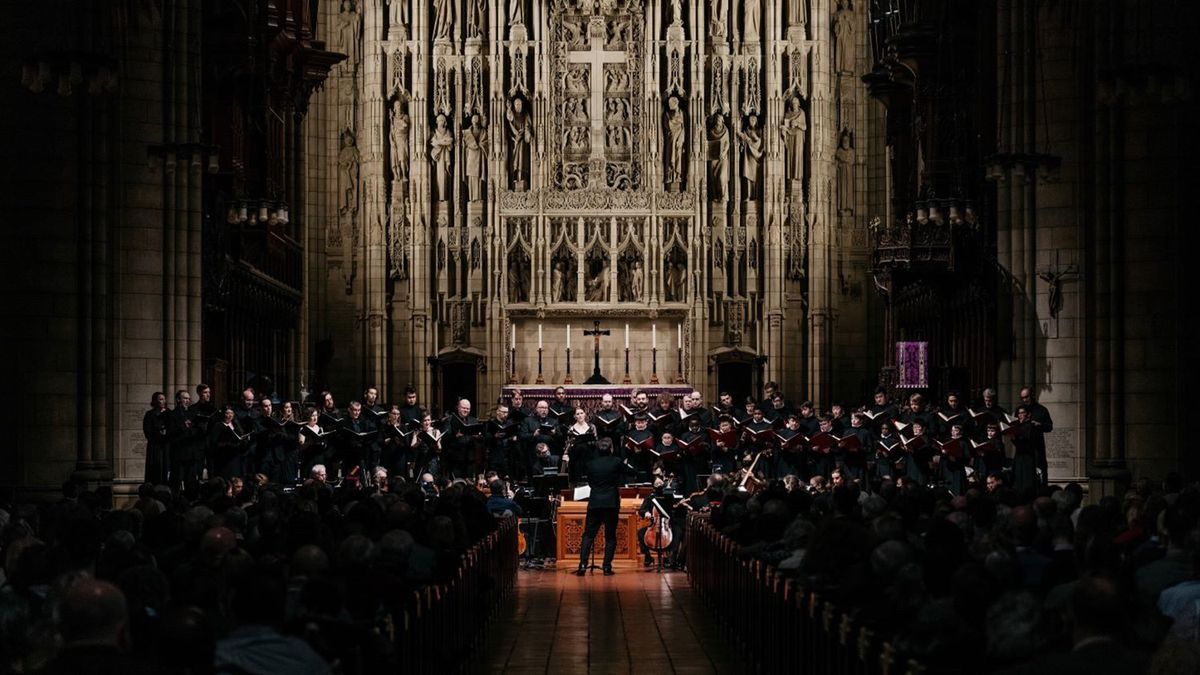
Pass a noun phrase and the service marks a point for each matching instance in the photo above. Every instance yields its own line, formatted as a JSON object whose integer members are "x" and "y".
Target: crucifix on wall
{"x": 596, "y": 377}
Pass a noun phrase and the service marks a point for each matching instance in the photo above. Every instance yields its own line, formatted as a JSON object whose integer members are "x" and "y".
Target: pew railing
{"x": 775, "y": 622}
{"x": 441, "y": 627}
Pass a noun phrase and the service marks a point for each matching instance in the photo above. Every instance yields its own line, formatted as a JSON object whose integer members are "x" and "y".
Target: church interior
{"x": 843, "y": 335}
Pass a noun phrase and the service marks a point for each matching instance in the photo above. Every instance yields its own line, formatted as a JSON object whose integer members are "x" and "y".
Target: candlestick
{"x": 626, "y": 380}
{"x": 512, "y": 377}
{"x": 567, "y": 379}
{"x": 626, "y": 336}
{"x": 540, "y": 379}
{"x": 539, "y": 336}
{"x": 654, "y": 365}
{"x": 568, "y": 336}
{"x": 679, "y": 364}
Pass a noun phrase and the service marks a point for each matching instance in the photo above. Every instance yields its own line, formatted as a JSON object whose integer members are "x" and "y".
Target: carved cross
{"x": 596, "y": 57}
{"x": 596, "y": 377}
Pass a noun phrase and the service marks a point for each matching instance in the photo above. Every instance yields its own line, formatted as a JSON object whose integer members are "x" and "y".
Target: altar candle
{"x": 654, "y": 336}
{"x": 513, "y": 342}
{"x": 679, "y": 335}
{"x": 568, "y": 336}
{"x": 626, "y": 336}
{"x": 539, "y": 336}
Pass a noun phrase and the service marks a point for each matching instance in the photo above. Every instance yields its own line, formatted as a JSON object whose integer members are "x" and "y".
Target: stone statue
{"x": 516, "y": 12}
{"x": 519, "y": 134}
{"x": 676, "y": 277}
{"x": 676, "y": 127}
{"x": 399, "y": 141}
{"x": 797, "y": 13}
{"x": 752, "y": 152}
{"x": 348, "y": 171}
{"x": 597, "y": 283}
{"x": 441, "y": 144}
{"x": 718, "y": 157}
{"x": 843, "y": 32}
{"x": 349, "y": 33}
{"x": 636, "y": 282}
{"x": 677, "y": 12}
{"x": 397, "y": 12}
{"x": 557, "y": 273}
{"x": 476, "y": 18}
{"x": 518, "y": 276}
{"x": 718, "y": 12}
{"x": 750, "y": 20}
{"x": 794, "y": 127}
{"x": 443, "y": 20}
{"x": 845, "y": 171}
{"x": 475, "y": 141}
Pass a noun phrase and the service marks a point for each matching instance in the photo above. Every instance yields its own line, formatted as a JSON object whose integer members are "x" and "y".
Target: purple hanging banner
{"x": 912, "y": 365}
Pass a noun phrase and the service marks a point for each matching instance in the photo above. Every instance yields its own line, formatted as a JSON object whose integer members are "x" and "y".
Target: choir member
{"x": 313, "y": 448}
{"x": 154, "y": 427}
{"x": 663, "y": 417}
{"x": 501, "y": 435}
{"x": 228, "y": 444}
{"x": 953, "y": 412}
{"x": 790, "y": 459}
{"x": 559, "y": 407}
{"x": 427, "y": 447}
{"x": 355, "y": 443}
{"x": 395, "y": 451}
{"x": 1039, "y": 418}
{"x": 725, "y": 447}
{"x": 855, "y": 444}
{"x": 890, "y": 461}
{"x": 187, "y": 443}
{"x": 952, "y": 461}
{"x": 695, "y": 457}
{"x": 580, "y": 445}
{"x": 246, "y": 412}
{"x": 637, "y": 444}
{"x": 289, "y": 466}
{"x": 411, "y": 412}
{"x": 1027, "y": 443}
{"x": 609, "y": 421}
{"x": 464, "y": 431}
{"x": 540, "y": 427}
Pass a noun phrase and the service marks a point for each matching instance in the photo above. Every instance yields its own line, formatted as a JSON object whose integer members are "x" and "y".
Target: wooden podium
{"x": 572, "y": 516}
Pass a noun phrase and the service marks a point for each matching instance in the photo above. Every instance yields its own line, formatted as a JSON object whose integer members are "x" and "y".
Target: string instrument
{"x": 658, "y": 536}
{"x": 521, "y": 544}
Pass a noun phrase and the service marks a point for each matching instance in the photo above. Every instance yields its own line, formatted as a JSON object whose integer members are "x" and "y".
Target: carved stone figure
{"x": 675, "y": 276}
{"x": 397, "y": 12}
{"x": 476, "y": 18}
{"x": 677, "y": 12}
{"x": 718, "y": 11}
{"x": 399, "y": 141}
{"x": 441, "y": 144}
{"x": 843, "y": 33}
{"x": 597, "y": 283}
{"x": 676, "y": 127}
{"x": 348, "y": 158}
{"x": 797, "y": 13}
{"x": 519, "y": 135}
{"x": 718, "y": 157}
{"x": 518, "y": 276}
{"x": 752, "y": 152}
{"x": 845, "y": 171}
{"x": 475, "y": 142}
{"x": 443, "y": 19}
{"x": 750, "y": 18}
{"x": 629, "y": 277}
{"x": 516, "y": 12}
{"x": 794, "y": 128}
{"x": 562, "y": 279}
{"x": 349, "y": 33}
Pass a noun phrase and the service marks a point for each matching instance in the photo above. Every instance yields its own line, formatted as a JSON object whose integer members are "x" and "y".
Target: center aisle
{"x": 635, "y": 621}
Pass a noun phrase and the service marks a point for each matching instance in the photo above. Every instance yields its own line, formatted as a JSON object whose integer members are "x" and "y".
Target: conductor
{"x": 605, "y": 476}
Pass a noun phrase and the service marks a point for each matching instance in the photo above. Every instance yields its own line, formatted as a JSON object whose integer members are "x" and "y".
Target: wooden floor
{"x": 635, "y": 621}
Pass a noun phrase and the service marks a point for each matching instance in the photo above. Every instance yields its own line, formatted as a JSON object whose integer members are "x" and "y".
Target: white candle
{"x": 539, "y": 336}
{"x": 568, "y": 336}
{"x": 654, "y": 336}
{"x": 679, "y": 335}
{"x": 513, "y": 343}
{"x": 626, "y": 336}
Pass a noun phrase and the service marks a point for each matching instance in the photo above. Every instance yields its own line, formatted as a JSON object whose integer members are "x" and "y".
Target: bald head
{"x": 94, "y": 612}
{"x": 217, "y": 543}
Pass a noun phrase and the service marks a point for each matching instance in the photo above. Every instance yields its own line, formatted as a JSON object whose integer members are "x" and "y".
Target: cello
{"x": 658, "y": 536}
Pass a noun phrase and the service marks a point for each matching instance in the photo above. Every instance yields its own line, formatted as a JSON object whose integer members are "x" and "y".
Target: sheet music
{"x": 582, "y": 492}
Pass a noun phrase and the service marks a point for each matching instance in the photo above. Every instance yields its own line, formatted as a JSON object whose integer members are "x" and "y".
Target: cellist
{"x": 656, "y": 509}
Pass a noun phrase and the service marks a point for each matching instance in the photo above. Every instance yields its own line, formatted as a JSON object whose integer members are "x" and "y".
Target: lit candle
{"x": 568, "y": 336}
{"x": 679, "y": 335}
{"x": 539, "y": 336}
{"x": 626, "y": 336}
{"x": 654, "y": 336}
